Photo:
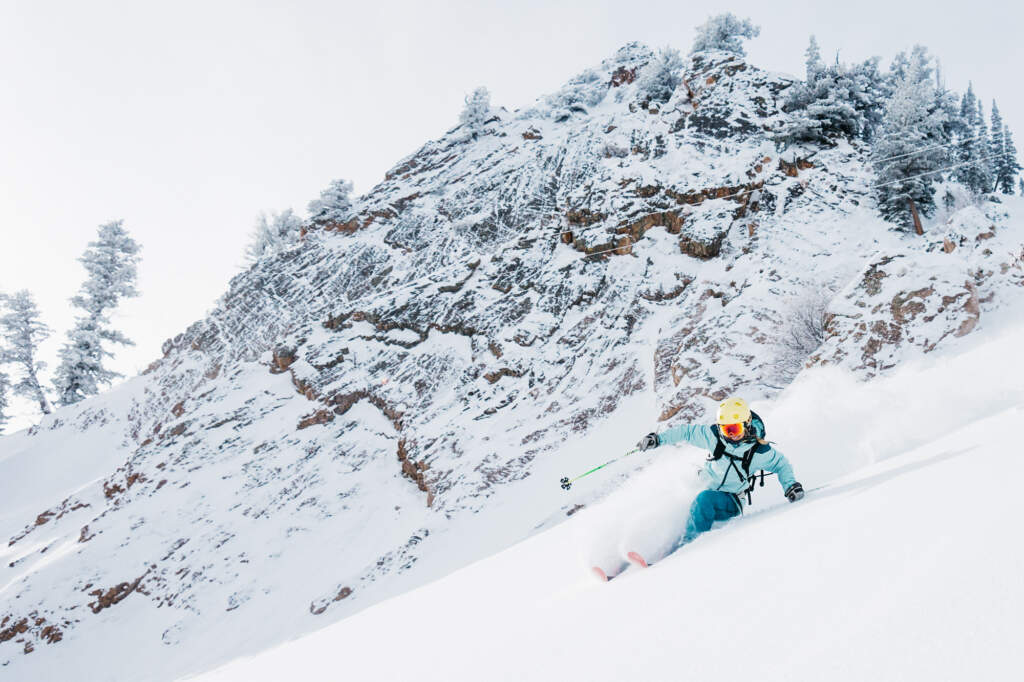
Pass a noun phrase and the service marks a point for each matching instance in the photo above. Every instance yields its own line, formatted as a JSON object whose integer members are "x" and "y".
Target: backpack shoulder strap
{"x": 719, "y": 445}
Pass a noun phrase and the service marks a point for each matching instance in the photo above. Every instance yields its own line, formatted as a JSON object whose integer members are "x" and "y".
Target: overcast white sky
{"x": 188, "y": 118}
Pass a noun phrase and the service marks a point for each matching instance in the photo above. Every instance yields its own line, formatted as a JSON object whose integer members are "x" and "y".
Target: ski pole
{"x": 567, "y": 482}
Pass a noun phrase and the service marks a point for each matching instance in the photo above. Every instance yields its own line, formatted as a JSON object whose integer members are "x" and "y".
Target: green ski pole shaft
{"x": 567, "y": 482}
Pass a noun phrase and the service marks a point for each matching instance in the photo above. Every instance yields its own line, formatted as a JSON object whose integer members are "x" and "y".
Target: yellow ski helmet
{"x": 733, "y": 411}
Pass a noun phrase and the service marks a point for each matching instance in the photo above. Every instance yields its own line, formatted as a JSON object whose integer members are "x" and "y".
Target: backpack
{"x": 741, "y": 463}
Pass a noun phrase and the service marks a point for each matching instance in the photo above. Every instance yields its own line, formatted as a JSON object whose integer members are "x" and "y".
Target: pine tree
{"x": 723, "y": 32}
{"x": 273, "y": 235}
{"x": 946, "y": 101}
{"x": 111, "y": 263}
{"x": 983, "y": 149}
{"x": 996, "y": 147}
{"x": 813, "y": 60}
{"x": 875, "y": 90}
{"x": 5, "y": 383}
{"x": 973, "y": 147}
{"x": 476, "y": 112}
{"x": 826, "y": 105}
{"x": 334, "y": 205}
{"x": 662, "y": 75}
{"x": 1010, "y": 167}
{"x": 23, "y": 331}
{"x": 968, "y": 107}
{"x": 905, "y": 174}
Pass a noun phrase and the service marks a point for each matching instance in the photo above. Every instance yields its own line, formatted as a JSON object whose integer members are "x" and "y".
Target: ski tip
{"x": 599, "y": 573}
{"x": 636, "y": 559}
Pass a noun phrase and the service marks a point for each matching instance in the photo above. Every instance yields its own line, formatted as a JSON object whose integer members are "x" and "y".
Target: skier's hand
{"x": 795, "y": 492}
{"x": 649, "y": 441}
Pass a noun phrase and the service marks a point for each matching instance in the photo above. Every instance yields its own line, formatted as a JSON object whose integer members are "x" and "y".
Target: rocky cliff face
{"x": 329, "y": 434}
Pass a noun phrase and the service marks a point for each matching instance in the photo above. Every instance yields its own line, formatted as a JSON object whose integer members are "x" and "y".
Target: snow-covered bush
{"x": 273, "y": 235}
{"x": 586, "y": 90}
{"x": 804, "y": 332}
{"x": 111, "y": 263}
{"x": 22, "y": 331}
{"x": 334, "y": 204}
{"x": 662, "y": 75}
{"x": 5, "y": 383}
{"x": 724, "y": 32}
{"x": 476, "y": 112}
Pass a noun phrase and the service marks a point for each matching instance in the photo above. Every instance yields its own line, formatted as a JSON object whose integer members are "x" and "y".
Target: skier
{"x": 737, "y": 448}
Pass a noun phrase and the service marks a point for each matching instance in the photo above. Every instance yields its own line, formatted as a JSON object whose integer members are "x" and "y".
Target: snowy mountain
{"x": 397, "y": 396}
{"x": 903, "y": 570}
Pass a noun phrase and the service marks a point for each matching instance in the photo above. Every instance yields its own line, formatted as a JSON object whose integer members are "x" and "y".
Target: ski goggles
{"x": 732, "y": 431}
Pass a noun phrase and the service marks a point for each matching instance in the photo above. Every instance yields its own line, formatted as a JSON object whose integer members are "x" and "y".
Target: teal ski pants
{"x": 708, "y": 507}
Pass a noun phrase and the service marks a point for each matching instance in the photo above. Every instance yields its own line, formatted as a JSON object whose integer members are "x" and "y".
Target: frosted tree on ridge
{"x": 476, "y": 112}
{"x": 724, "y": 32}
{"x": 5, "y": 383}
{"x": 273, "y": 234}
{"x": 662, "y": 75}
{"x": 23, "y": 331}
{"x": 111, "y": 263}
{"x": 334, "y": 204}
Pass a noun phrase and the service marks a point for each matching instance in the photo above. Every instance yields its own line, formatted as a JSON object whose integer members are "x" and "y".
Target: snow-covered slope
{"x": 392, "y": 399}
{"x": 908, "y": 569}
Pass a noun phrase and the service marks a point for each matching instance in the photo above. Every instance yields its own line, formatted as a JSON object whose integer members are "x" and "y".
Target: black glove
{"x": 795, "y": 492}
{"x": 649, "y": 441}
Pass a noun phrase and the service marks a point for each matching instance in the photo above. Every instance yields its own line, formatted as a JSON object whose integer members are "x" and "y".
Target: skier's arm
{"x": 768, "y": 458}
{"x": 695, "y": 434}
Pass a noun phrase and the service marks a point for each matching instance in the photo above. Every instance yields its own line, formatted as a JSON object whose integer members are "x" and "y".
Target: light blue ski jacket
{"x": 724, "y": 474}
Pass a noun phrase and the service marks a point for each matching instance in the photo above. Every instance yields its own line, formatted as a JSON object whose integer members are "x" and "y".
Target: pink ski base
{"x": 636, "y": 559}
{"x": 599, "y": 572}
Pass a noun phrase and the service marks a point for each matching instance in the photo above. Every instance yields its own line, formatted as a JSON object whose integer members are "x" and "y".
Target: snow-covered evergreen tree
{"x": 829, "y": 104}
{"x": 334, "y": 204}
{"x": 273, "y": 234}
{"x": 972, "y": 149}
{"x": 813, "y": 60}
{"x": 111, "y": 263}
{"x": 476, "y": 112}
{"x": 1010, "y": 167}
{"x": 662, "y": 75}
{"x": 875, "y": 90}
{"x": 968, "y": 106}
{"x": 22, "y": 332}
{"x": 905, "y": 173}
{"x": 996, "y": 147}
{"x": 946, "y": 100}
{"x": 5, "y": 384}
{"x": 724, "y": 32}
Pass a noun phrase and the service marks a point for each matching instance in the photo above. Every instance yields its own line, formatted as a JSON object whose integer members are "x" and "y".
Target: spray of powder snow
{"x": 828, "y": 423}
